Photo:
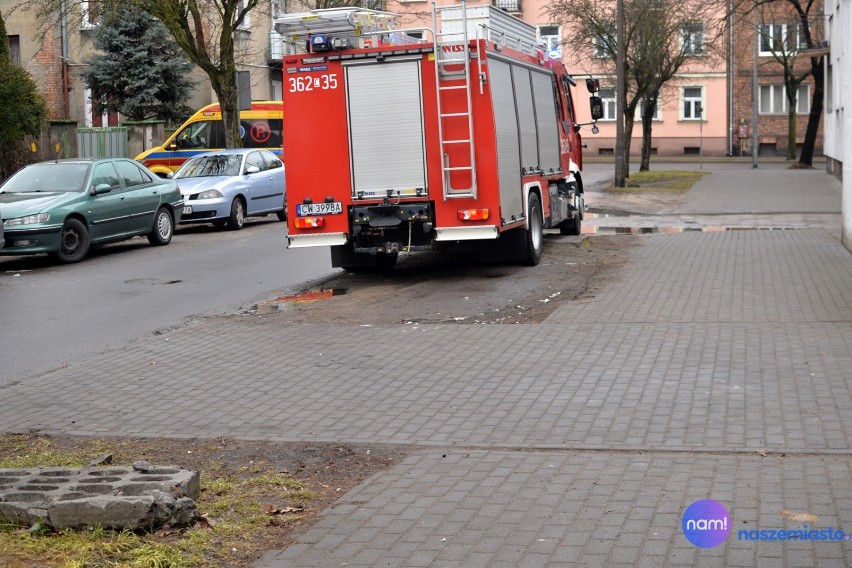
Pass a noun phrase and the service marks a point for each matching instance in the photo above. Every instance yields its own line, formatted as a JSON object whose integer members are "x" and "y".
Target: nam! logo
{"x": 706, "y": 523}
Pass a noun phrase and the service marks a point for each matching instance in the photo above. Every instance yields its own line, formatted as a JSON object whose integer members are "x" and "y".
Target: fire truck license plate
{"x": 333, "y": 208}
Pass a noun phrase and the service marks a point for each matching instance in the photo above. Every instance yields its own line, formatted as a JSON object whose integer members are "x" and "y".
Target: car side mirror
{"x": 172, "y": 147}
{"x": 102, "y": 188}
{"x": 252, "y": 170}
{"x": 596, "y": 105}
{"x": 170, "y": 175}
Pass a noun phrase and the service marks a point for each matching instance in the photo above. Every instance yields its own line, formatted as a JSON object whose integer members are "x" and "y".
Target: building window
{"x": 780, "y": 38}
{"x": 693, "y": 103}
{"x": 640, "y": 106}
{"x": 692, "y": 35}
{"x": 245, "y": 25}
{"x": 607, "y": 95}
{"x": 91, "y": 13}
{"x": 15, "y": 50}
{"x": 552, "y": 41}
{"x": 601, "y": 48}
{"x": 508, "y": 5}
{"x": 773, "y": 99}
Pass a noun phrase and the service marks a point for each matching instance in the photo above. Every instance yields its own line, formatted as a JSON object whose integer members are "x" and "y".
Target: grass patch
{"x": 666, "y": 181}
{"x": 237, "y": 503}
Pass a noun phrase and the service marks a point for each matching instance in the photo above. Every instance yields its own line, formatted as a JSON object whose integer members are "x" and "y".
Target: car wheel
{"x": 73, "y": 242}
{"x": 164, "y": 228}
{"x": 282, "y": 215}
{"x": 535, "y": 231}
{"x": 238, "y": 215}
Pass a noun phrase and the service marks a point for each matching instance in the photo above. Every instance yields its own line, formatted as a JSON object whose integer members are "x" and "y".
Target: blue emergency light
{"x": 319, "y": 42}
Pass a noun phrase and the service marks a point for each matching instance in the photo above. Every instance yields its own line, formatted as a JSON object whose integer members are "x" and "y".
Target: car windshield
{"x": 48, "y": 177}
{"x": 205, "y": 166}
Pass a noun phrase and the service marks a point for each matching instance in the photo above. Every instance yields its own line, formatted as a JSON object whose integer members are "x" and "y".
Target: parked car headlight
{"x": 210, "y": 194}
{"x": 28, "y": 220}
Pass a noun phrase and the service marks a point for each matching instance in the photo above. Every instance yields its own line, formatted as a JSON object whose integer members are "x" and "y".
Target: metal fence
{"x": 106, "y": 142}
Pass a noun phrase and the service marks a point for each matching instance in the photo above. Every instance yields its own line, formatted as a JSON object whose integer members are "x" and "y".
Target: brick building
{"x": 781, "y": 37}
{"x": 53, "y": 50}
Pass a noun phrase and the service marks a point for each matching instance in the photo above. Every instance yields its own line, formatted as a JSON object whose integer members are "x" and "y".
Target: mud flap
{"x": 343, "y": 256}
{"x": 510, "y": 246}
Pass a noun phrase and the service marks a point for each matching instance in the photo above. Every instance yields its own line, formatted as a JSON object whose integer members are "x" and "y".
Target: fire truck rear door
{"x": 386, "y": 127}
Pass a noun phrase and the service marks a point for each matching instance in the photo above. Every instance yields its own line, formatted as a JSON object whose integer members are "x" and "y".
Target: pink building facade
{"x": 693, "y": 116}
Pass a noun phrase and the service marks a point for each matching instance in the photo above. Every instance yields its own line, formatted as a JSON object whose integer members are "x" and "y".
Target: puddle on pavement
{"x": 311, "y": 296}
{"x": 586, "y": 230}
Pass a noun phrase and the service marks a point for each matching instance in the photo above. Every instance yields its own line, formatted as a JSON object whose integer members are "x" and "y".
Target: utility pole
{"x": 621, "y": 91}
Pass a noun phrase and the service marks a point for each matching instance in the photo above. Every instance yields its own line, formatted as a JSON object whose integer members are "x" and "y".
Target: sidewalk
{"x": 717, "y": 367}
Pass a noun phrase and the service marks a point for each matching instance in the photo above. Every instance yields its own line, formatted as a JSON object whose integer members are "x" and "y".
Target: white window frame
{"x": 609, "y": 103}
{"x": 689, "y": 104}
{"x": 552, "y": 42}
{"x": 658, "y": 115}
{"x": 773, "y": 34}
{"x": 87, "y": 22}
{"x": 246, "y": 24}
{"x": 770, "y": 94}
{"x": 692, "y": 38}
{"x": 599, "y": 48}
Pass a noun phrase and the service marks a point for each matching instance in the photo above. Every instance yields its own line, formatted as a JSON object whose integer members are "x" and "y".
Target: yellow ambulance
{"x": 260, "y": 127}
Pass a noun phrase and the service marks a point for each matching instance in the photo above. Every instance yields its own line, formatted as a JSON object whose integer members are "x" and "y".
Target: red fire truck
{"x": 394, "y": 143}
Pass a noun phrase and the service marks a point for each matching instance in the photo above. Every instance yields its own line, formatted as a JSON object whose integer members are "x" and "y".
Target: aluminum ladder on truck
{"x": 450, "y": 55}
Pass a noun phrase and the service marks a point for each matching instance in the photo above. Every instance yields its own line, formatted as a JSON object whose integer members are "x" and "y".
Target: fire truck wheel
{"x": 238, "y": 215}
{"x": 535, "y": 231}
{"x": 570, "y": 226}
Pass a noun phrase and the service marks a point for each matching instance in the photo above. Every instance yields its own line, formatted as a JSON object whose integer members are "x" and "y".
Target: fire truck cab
{"x": 395, "y": 143}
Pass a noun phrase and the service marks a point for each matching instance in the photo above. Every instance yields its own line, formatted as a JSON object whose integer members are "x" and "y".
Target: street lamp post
{"x": 700, "y": 112}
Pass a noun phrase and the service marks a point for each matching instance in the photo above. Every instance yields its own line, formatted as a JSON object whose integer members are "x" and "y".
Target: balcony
{"x": 276, "y": 47}
{"x": 511, "y": 6}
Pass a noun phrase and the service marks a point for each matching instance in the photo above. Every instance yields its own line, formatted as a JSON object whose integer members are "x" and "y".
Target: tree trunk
{"x": 628, "y": 138}
{"x": 809, "y": 143}
{"x": 648, "y": 111}
{"x": 227, "y": 94}
{"x": 791, "y": 133}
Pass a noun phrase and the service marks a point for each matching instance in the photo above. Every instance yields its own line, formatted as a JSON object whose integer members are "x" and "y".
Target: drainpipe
{"x": 63, "y": 27}
{"x": 730, "y": 77}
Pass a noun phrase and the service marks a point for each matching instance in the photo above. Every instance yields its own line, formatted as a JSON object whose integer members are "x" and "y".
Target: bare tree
{"x": 205, "y": 30}
{"x": 659, "y": 40}
{"x": 781, "y": 38}
{"x": 807, "y": 18}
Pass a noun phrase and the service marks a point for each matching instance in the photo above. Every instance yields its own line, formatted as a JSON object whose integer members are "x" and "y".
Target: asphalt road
{"x": 52, "y": 314}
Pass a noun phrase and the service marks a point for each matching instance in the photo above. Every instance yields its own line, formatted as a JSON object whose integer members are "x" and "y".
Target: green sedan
{"x": 63, "y": 207}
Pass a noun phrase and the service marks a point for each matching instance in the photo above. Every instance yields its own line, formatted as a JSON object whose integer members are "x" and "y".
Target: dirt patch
{"x": 451, "y": 288}
{"x": 454, "y": 287}
{"x": 327, "y": 471}
{"x": 634, "y": 203}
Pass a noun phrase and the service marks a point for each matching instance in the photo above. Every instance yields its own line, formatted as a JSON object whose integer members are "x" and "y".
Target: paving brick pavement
{"x": 579, "y": 441}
